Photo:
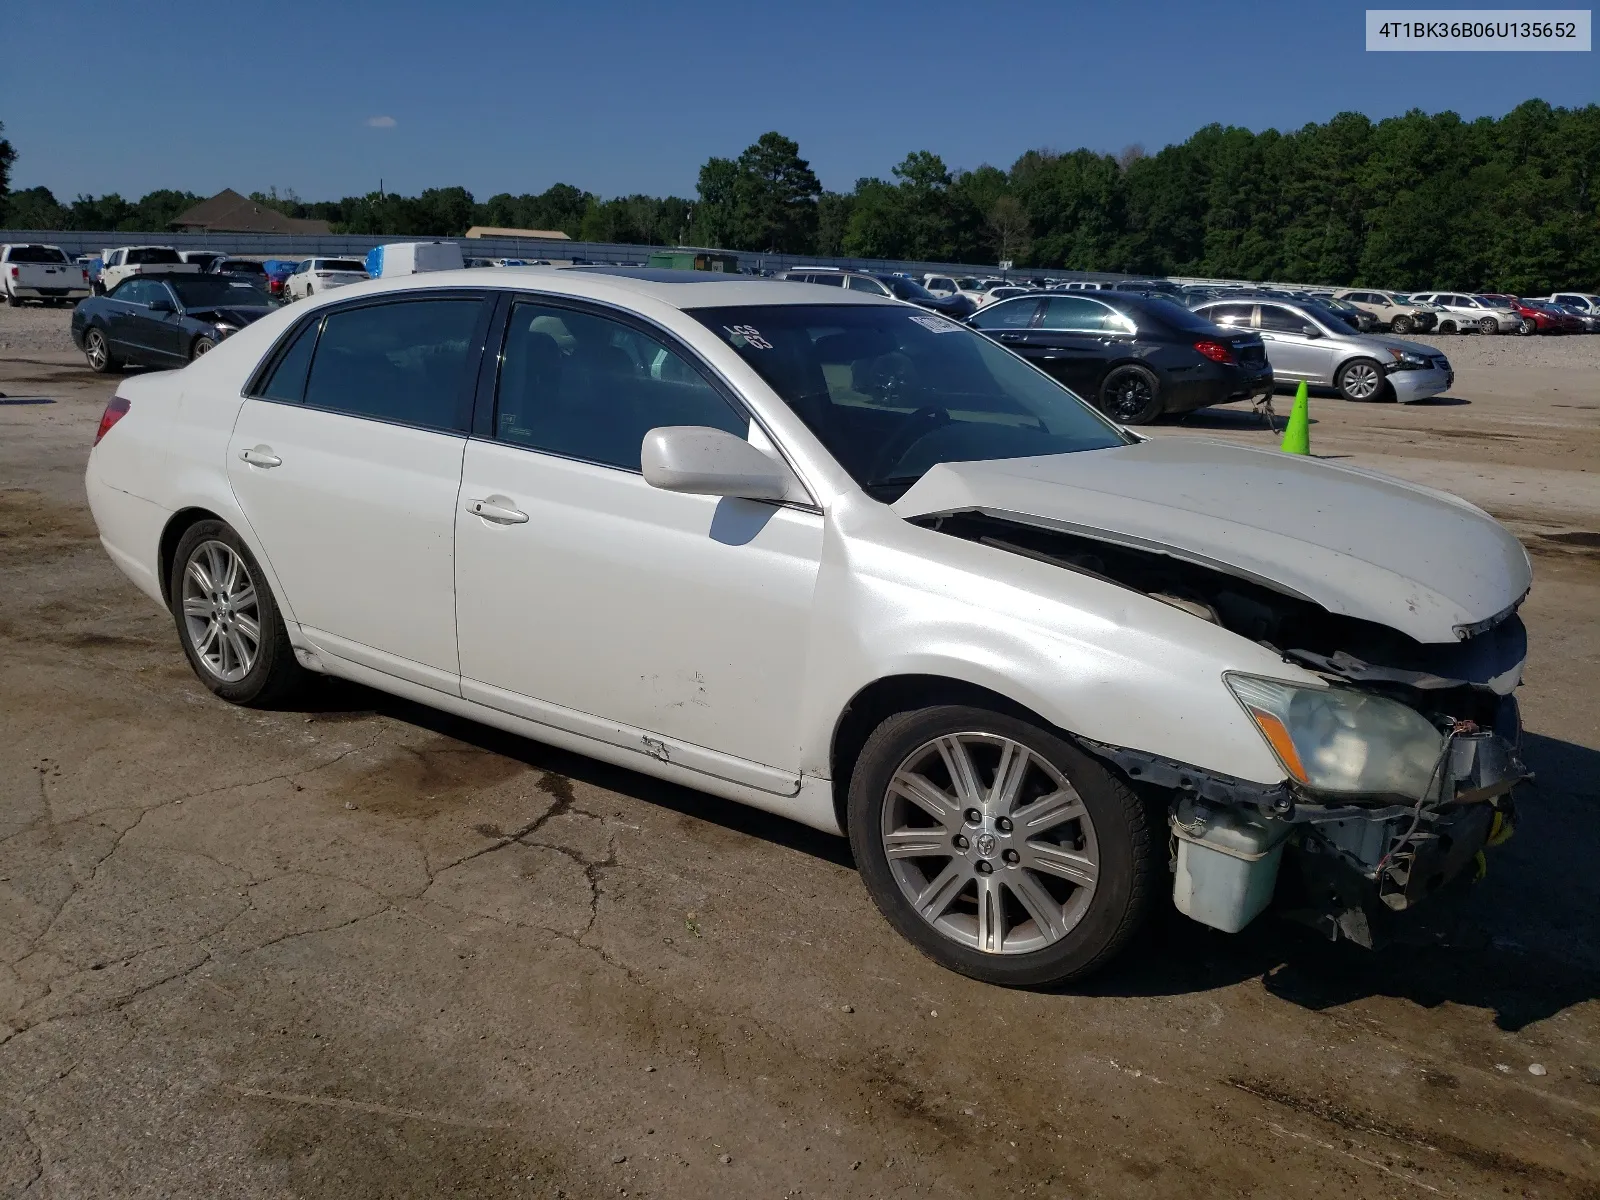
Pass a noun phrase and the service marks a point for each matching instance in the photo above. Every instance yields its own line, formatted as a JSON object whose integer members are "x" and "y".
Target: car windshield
{"x": 220, "y": 292}
{"x": 903, "y": 288}
{"x": 347, "y": 264}
{"x": 892, "y": 392}
{"x": 1169, "y": 312}
{"x": 1326, "y": 316}
{"x": 36, "y": 254}
{"x": 148, "y": 255}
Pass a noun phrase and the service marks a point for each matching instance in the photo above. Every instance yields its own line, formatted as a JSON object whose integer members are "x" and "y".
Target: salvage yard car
{"x": 1136, "y": 358}
{"x": 321, "y": 275}
{"x": 1400, "y": 315}
{"x": 1306, "y": 342}
{"x": 165, "y": 320}
{"x": 847, "y": 561}
{"x": 42, "y": 273}
{"x": 1459, "y": 312}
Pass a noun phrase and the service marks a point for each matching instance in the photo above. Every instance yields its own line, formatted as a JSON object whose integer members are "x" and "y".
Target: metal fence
{"x": 285, "y": 245}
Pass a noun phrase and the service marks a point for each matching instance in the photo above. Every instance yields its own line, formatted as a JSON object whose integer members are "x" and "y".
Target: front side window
{"x": 136, "y": 291}
{"x": 1278, "y": 319}
{"x": 587, "y": 387}
{"x": 892, "y": 392}
{"x": 1008, "y": 314}
{"x": 406, "y": 362}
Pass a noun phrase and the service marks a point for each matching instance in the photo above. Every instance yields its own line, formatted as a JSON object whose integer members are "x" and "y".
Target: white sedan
{"x": 849, "y": 562}
{"x": 317, "y": 275}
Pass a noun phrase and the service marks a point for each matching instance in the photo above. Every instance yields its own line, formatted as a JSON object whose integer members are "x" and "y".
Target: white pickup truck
{"x": 124, "y": 261}
{"x": 42, "y": 273}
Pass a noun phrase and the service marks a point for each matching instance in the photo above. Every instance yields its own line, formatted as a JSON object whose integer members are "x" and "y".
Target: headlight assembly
{"x": 1405, "y": 360}
{"x": 1340, "y": 740}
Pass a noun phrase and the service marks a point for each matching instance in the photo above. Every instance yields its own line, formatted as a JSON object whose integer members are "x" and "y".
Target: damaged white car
{"x": 846, "y": 561}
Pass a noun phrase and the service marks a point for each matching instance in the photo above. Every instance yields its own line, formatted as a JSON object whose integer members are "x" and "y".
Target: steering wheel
{"x": 912, "y": 430}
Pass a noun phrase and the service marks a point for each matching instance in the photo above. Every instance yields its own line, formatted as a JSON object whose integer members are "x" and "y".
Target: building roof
{"x": 229, "y": 212}
{"x": 496, "y": 231}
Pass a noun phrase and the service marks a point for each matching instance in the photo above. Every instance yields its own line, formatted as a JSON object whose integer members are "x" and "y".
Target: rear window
{"x": 147, "y": 255}
{"x": 242, "y": 266}
{"x": 36, "y": 254}
{"x": 341, "y": 264}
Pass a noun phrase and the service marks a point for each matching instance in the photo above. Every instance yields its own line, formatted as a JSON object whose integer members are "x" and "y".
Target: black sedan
{"x": 165, "y": 320}
{"x": 1134, "y": 357}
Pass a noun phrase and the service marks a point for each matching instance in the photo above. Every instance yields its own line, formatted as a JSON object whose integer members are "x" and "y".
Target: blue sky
{"x": 633, "y": 97}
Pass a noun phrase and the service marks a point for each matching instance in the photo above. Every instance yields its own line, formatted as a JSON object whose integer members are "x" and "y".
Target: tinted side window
{"x": 405, "y": 362}
{"x": 135, "y": 291}
{"x": 860, "y": 283}
{"x": 288, "y": 379}
{"x": 586, "y": 387}
{"x": 1281, "y": 320}
{"x": 1007, "y": 314}
{"x": 826, "y": 280}
{"x": 1074, "y": 313}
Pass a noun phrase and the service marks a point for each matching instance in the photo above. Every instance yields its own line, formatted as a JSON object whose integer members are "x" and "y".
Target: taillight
{"x": 115, "y": 411}
{"x": 15, "y": 271}
{"x": 1215, "y": 351}
{"x": 86, "y": 274}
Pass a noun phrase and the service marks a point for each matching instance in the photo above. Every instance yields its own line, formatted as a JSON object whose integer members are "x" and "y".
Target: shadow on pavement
{"x": 1524, "y": 943}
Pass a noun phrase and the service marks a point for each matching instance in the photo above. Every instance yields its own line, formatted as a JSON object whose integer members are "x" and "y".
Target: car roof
{"x": 678, "y": 289}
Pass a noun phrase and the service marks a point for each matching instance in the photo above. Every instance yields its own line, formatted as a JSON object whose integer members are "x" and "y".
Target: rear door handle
{"x": 261, "y": 456}
{"x": 498, "y": 513}
{"x": 1012, "y": 337}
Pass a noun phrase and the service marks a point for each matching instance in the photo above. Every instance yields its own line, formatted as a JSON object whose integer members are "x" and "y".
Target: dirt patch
{"x": 33, "y": 524}
{"x": 418, "y": 782}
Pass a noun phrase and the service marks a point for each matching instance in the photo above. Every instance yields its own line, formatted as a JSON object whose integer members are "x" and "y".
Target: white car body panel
{"x": 717, "y": 643}
{"x": 1354, "y": 543}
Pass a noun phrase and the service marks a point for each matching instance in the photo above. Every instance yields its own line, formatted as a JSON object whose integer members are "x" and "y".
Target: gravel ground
{"x": 358, "y": 949}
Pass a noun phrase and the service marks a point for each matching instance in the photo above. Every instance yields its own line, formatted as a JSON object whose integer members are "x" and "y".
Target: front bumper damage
{"x": 1350, "y": 870}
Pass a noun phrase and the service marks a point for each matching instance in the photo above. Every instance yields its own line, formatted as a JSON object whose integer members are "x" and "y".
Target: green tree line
{"x": 1505, "y": 204}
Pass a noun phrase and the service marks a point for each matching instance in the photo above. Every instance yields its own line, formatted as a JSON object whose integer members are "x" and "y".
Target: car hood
{"x": 1357, "y": 543}
{"x": 237, "y": 317}
{"x": 1400, "y": 344}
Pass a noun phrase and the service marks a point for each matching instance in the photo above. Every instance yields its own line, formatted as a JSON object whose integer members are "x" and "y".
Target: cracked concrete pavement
{"x": 362, "y": 949}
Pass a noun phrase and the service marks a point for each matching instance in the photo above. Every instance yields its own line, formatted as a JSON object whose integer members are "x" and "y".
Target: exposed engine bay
{"x": 1352, "y": 863}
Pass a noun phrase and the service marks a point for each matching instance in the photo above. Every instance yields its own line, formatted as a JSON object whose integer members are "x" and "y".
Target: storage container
{"x": 1227, "y": 866}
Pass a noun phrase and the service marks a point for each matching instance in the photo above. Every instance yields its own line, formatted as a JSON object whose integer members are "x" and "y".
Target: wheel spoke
{"x": 963, "y": 774}
{"x": 193, "y": 606}
{"x": 241, "y": 652}
{"x": 1041, "y": 906}
{"x": 230, "y": 574}
{"x": 991, "y": 916}
{"x": 1008, "y": 777}
{"x": 919, "y": 789}
{"x": 1049, "y": 811}
{"x": 917, "y": 843}
{"x": 246, "y": 595}
{"x": 201, "y": 577}
{"x": 248, "y": 629}
{"x": 1058, "y": 860}
{"x": 936, "y": 897}
{"x": 203, "y": 646}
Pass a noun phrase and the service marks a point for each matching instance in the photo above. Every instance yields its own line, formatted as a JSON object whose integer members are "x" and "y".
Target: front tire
{"x": 228, "y": 620}
{"x": 1402, "y": 324}
{"x": 1360, "y": 379}
{"x": 1488, "y": 325}
{"x": 1528, "y": 327}
{"x": 998, "y": 849}
{"x": 97, "y": 352}
{"x": 1131, "y": 395}
{"x": 202, "y": 345}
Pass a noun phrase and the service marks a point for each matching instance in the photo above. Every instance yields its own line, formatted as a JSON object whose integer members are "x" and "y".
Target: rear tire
{"x": 1051, "y": 898}
{"x": 97, "y": 351}
{"x": 1131, "y": 395}
{"x": 228, "y": 620}
{"x": 1361, "y": 380}
{"x": 13, "y": 301}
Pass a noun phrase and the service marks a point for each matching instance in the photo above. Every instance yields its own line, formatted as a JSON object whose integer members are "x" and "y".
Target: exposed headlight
{"x": 1339, "y": 740}
{"x": 225, "y": 330}
{"x": 1405, "y": 360}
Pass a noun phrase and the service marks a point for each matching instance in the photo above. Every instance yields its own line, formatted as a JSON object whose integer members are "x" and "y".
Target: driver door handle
{"x": 497, "y": 513}
{"x": 1012, "y": 337}
{"x": 261, "y": 456}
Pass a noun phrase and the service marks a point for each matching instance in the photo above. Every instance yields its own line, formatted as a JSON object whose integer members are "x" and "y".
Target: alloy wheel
{"x": 1361, "y": 381}
{"x": 221, "y": 611}
{"x": 95, "y": 349}
{"x": 990, "y": 843}
{"x": 1129, "y": 397}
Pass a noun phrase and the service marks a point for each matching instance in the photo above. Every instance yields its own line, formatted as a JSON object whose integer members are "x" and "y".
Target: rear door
{"x": 346, "y": 461}
{"x": 1077, "y": 339}
{"x": 1294, "y": 354}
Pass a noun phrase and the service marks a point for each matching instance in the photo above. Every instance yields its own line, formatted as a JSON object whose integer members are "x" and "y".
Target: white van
{"x": 410, "y": 258}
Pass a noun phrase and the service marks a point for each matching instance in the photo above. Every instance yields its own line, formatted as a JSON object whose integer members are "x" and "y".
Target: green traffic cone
{"x": 1297, "y": 435}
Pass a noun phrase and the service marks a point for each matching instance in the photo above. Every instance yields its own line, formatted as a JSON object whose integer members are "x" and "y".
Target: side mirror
{"x": 1311, "y": 331}
{"x": 162, "y": 304}
{"x": 711, "y": 462}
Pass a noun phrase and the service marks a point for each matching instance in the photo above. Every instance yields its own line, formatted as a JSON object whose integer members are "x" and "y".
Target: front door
{"x": 347, "y": 466}
{"x": 589, "y": 600}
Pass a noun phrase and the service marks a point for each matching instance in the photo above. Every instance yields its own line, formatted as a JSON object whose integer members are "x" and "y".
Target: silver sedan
{"x": 1308, "y": 342}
